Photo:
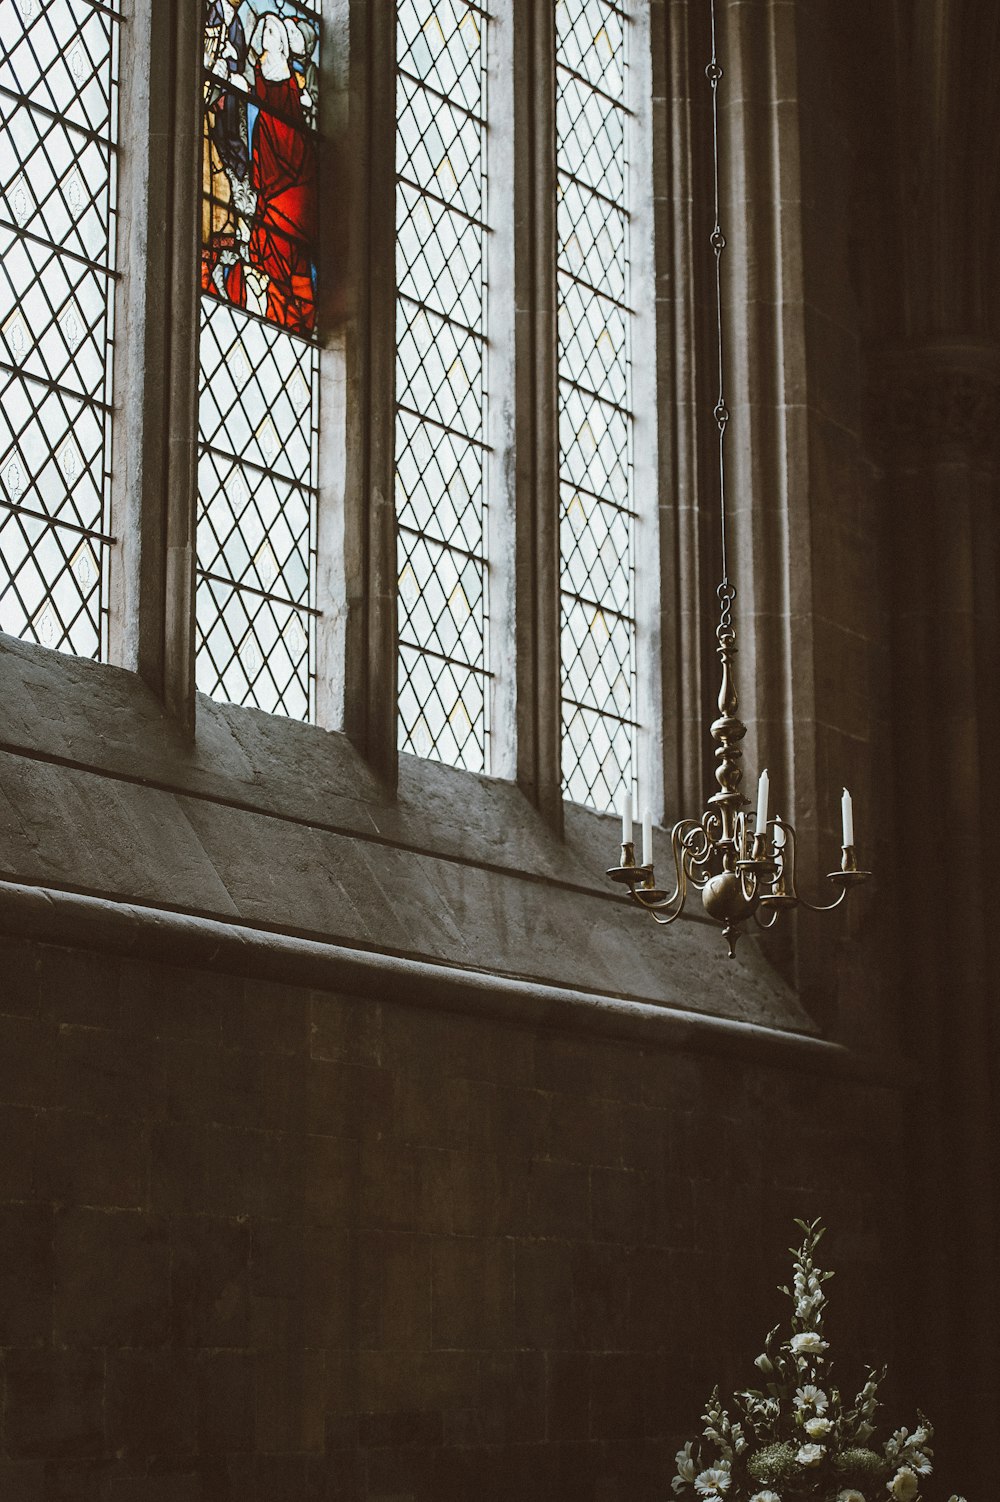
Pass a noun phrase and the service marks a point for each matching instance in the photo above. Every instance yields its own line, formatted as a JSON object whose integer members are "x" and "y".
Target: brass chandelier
{"x": 743, "y": 864}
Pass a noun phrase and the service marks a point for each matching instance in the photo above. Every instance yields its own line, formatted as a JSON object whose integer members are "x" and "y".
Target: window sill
{"x": 281, "y": 828}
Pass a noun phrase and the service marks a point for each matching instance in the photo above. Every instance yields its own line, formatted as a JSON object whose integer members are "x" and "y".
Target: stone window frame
{"x": 154, "y": 489}
{"x": 154, "y": 486}
{"x": 154, "y": 424}
{"x": 524, "y": 548}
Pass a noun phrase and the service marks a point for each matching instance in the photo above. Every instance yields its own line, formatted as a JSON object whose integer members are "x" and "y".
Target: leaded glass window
{"x": 441, "y": 434}
{"x": 259, "y": 397}
{"x": 58, "y": 178}
{"x": 595, "y": 420}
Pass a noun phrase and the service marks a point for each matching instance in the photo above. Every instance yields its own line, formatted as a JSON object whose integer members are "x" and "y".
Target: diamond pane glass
{"x": 441, "y": 381}
{"x": 58, "y": 189}
{"x": 595, "y": 420}
{"x": 259, "y": 392}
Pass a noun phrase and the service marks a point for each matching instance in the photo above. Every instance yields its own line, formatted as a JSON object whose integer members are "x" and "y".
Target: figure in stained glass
{"x": 226, "y": 54}
{"x": 259, "y": 218}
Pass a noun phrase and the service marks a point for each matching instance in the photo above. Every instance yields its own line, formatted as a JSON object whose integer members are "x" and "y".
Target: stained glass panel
{"x": 259, "y": 159}
{"x": 441, "y": 381}
{"x": 595, "y": 420}
{"x": 259, "y": 398}
{"x": 58, "y": 183}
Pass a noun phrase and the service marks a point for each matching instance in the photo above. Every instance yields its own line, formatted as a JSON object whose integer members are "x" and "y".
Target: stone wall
{"x": 262, "y": 1241}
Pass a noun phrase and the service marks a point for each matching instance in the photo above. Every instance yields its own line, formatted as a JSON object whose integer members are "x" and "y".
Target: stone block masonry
{"x": 261, "y": 1241}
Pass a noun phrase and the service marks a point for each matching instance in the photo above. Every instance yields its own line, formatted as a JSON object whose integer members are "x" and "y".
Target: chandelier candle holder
{"x": 743, "y": 864}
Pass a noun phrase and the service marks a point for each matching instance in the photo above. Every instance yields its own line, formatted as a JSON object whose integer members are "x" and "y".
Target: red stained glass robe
{"x": 283, "y": 171}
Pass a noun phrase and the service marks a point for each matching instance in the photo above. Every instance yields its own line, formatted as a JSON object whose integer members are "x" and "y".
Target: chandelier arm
{"x": 659, "y": 918}
{"x": 771, "y": 921}
{"x": 696, "y": 843}
{"x": 661, "y": 903}
{"x": 700, "y": 849}
{"x": 788, "y": 861}
{"x": 814, "y": 907}
{"x": 659, "y": 914}
{"x": 824, "y": 907}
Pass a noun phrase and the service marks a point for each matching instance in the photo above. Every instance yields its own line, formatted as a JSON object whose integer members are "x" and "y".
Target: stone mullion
{"x": 501, "y": 361}
{"x": 369, "y": 344}
{"x": 651, "y": 382}
{"x": 155, "y": 439}
{"x": 681, "y": 166}
{"x": 539, "y": 725}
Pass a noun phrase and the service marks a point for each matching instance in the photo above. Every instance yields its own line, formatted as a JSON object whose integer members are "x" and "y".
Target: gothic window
{"x": 595, "y": 419}
{"x": 259, "y": 400}
{"x": 441, "y": 382}
{"x": 512, "y": 273}
{"x": 58, "y": 163}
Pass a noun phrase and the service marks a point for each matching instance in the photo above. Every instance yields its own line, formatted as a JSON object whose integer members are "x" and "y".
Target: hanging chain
{"x": 720, "y": 412}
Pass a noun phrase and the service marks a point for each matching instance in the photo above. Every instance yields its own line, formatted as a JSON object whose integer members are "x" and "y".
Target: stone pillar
{"x": 936, "y": 417}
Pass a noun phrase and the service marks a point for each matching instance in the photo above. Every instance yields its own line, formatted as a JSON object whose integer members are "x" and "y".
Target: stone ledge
{"x": 72, "y": 920}
{"x": 97, "y": 718}
{"x": 280, "y": 827}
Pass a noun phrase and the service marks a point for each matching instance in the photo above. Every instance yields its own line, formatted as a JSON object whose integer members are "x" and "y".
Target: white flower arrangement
{"x": 798, "y": 1438}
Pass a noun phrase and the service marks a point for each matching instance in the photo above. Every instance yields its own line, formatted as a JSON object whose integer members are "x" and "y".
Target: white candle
{"x": 847, "y": 816}
{"x": 627, "y": 819}
{"x": 779, "y": 838}
{"x": 763, "y": 787}
{"x": 647, "y": 838}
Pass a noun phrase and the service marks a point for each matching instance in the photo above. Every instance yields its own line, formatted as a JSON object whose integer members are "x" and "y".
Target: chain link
{"x": 725, "y": 633}
{"x": 720, "y": 411}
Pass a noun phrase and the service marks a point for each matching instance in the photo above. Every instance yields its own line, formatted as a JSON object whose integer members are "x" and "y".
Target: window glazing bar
{"x": 593, "y": 88}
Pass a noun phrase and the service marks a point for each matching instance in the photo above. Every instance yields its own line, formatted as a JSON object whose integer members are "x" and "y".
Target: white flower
{"x": 904, "y": 1486}
{"x": 765, "y": 1497}
{"x": 811, "y": 1397}
{"x": 849, "y": 1494}
{"x": 685, "y": 1462}
{"x": 810, "y": 1455}
{"x": 920, "y": 1463}
{"x": 765, "y": 1364}
{"x": 816, "y": 1428}
{"x": 809, "y": 1340}
{"x": 713, "y": 1482}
